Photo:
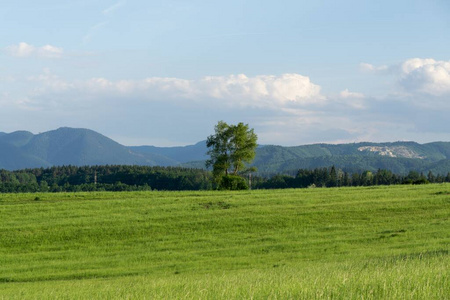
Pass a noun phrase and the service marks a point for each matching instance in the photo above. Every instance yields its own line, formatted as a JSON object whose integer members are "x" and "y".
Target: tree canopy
{"x": 230, "y": 148}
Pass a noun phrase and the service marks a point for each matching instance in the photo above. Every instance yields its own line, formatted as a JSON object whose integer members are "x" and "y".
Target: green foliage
{"x": 232, "y": 183}
{"x": 341, "y": 243}
{"x": 220, "y": 148}
{"x": 230, "y": 148}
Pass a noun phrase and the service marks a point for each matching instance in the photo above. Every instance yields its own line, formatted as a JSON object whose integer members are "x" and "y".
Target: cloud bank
{"x": 287, "y": 109}
{"x": 265, "y": 91}
{"x": 26, "y": 50}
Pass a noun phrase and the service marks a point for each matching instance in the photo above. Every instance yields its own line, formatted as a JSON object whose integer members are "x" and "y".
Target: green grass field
{"x": 343, "y": 243}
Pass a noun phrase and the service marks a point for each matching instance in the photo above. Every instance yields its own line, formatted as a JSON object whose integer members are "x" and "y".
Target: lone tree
{"x": 229, "y": 149}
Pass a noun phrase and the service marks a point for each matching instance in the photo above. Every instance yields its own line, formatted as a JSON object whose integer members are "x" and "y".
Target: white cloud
{"x": 21, "y": 50}
{"x": 50, "y": 51}
{"x": 234, "y": 90}
{"x": 426, "y": 76}
{"x": 260, "y": 90}
{"x": 352, "y": 99}
{"x": 26, "y": 50}
{"x": 49, "y": 82}
{"x": 418, "y": 75}
{"x": 371, "y": 68}
{"x": 346, "y": 94}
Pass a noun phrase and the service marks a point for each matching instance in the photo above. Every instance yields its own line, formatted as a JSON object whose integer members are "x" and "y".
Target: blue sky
{"x": 165, "y": 72}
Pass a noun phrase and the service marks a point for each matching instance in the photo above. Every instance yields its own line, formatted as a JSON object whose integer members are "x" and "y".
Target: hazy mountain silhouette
{"x": 68, "y": 146}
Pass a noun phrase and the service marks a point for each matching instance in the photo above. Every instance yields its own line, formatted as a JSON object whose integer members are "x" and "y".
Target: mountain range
{"x": 79, "y": 147}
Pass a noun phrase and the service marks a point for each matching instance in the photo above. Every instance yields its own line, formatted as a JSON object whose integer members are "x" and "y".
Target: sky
{"x": 163, "y": 73}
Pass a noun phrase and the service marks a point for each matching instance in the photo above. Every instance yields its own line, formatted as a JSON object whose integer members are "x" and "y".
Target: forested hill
{"x": 83, "y": 147}
{"x": 398, "y": 157}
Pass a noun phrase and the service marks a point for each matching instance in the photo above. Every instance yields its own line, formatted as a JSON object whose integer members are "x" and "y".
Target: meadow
{"x": 388, "y": 242}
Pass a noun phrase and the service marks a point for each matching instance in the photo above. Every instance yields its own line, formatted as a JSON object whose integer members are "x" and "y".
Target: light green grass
{"x": 348, "y": 243}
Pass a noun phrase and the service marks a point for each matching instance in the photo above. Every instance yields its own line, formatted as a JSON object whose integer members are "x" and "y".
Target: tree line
{"x": 333, "y": 177}
{"x": 138, "y": 178}
{"x": 104, "y": 178}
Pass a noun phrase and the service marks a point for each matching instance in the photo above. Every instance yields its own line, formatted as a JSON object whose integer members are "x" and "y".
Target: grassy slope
{"x": 379, "y": 242}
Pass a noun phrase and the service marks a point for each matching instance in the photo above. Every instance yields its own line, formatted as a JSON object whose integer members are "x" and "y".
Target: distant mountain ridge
{"x": 178, "y": 155}
{"x": 66, "y": 146}
{"x": 79, "y": 147}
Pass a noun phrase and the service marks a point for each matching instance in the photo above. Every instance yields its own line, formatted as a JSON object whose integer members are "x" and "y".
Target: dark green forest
{"x": 333, "y": 177}
{"x": 104, "y": 178}
{"x": 135, "y": 178}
